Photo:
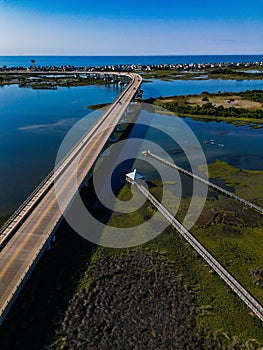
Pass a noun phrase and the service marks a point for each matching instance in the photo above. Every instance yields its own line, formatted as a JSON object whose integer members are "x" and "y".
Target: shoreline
{"x": 229, "y": 120}
{"x": 231, "y": 107}
{"x": 170, "y": 75}
{"x": 204, "y": 118}
{"x": 51, "y": 83}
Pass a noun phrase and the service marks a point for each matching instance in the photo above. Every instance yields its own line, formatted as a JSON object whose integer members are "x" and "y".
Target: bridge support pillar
{"x": 52, "y": 240}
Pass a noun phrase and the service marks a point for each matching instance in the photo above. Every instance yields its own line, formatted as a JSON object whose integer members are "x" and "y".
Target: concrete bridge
{"x": 28, "y": 233}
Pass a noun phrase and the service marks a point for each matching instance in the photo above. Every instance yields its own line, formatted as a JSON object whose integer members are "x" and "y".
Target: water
{"x": 33, "y": 124}
{"x": 240, "y": 146}
{"x": 25, "y": 61}
{"x": 158, "y": 88}
{"x": 165, "y": 135}
{"x": 252, "y": 71}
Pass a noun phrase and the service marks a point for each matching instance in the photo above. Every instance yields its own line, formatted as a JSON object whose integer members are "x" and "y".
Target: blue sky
{"x": 84, "y": 27}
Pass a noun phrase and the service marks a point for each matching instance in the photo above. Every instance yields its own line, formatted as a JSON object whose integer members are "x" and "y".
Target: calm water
{"x": 25, "y": 61}
{"x": 184, "y": 87}
{"x": 242, "y": 145}
{"x": 165, "y": 135}
{"x": 34, "y": 122}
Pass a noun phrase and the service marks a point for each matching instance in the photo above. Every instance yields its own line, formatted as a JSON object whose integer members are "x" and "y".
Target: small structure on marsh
{"x": 134, "y": 176}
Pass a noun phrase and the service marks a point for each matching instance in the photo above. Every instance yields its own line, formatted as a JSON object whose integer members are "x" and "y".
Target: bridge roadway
{"x": 29, "y": 232}
{"x": 243, "y": 294}
{"x": 205, "y": 182}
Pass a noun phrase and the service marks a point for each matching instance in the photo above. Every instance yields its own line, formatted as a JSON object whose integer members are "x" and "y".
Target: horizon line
{"x": 137, "y": 55}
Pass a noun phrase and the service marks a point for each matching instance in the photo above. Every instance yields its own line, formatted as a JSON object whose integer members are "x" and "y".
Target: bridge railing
{"x": 32, "y": 200}
{"x": 206, "y": 182}
{"x": 236, "y": 286}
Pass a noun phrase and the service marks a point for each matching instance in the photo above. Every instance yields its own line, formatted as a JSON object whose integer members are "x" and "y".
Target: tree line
{"x": 208, "y": 109}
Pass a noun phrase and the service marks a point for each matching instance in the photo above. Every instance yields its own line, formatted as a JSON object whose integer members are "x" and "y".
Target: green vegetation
{"x": 165, "y": 74}
{"x": 203, "y": 73}
{"x": 133, "y": 299}
{"x": 221, "y": 319}
{"x": 234, "y": 236}
{"x": 247, "y": 183}
{"x": 246, "y": 106}
{"x": 257, "y": 275}
{"x": 231, "y": 232}
{"x": 99, "y": 106}
{"x": 79, "y": 287}
{"x": 254, "y": 95}
{"x": 209, "y": 110}
{"x": 3, "y": 220}
{"x": 236, "y": 74}
{"x": 50, "y": 82}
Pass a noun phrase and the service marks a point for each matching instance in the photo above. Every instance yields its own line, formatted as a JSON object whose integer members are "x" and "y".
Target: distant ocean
{"x": 25, "y": 61}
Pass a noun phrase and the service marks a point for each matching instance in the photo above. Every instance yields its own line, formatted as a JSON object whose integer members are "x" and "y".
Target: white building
{"x": 134, "y": 176}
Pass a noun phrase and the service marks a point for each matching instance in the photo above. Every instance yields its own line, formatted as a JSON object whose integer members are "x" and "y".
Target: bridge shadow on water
{"x": 40, "y": 307}
{"x": 32, "y": 322}
{"x": 36, "y": 315}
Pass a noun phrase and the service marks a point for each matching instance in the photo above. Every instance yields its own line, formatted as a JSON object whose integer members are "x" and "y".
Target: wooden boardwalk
{"x": 242, "y": 293}
{"x": 205, "y": 182}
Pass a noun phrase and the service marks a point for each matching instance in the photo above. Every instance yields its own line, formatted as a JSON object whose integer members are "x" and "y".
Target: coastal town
{"x": 54, "y": 76}
{"x": 133, "y": 67}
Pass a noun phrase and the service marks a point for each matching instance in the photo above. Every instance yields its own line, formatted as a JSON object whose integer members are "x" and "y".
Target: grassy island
{"x": 98, "y": 106}
{"x": 236, "y": 73}
{"x": 50, "y": 82}
{"x": 243, "y": 106}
